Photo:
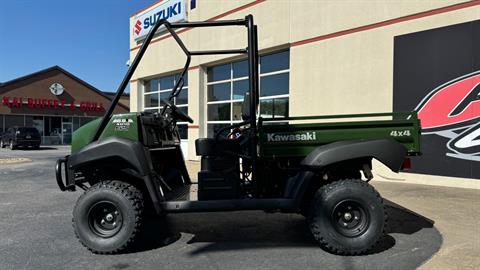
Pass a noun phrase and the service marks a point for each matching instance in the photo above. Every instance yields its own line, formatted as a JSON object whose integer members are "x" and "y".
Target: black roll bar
{"x": 133, "y": 67}
{"x": 239, "y": 22}
{"x": 251, "y": 51}
{"x": 253, "y": 80}
{"x": 219, "y": 52}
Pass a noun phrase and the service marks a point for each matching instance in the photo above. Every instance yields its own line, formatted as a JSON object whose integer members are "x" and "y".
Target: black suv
{"x": 21, "y": 136}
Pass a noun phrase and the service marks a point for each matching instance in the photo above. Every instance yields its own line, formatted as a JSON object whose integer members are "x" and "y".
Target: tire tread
{"x": 132, "y": 194}
{"x": 317, "y": 233}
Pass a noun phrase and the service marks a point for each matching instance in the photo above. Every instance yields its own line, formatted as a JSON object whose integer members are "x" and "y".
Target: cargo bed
{"x": 298, "y": 136}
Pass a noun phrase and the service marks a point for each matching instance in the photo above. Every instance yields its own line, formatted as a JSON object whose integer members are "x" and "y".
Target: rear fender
{"x": 388, "y": 151}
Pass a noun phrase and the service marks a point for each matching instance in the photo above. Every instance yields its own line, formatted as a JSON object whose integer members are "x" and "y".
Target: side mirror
{"x": 246, "y": 107}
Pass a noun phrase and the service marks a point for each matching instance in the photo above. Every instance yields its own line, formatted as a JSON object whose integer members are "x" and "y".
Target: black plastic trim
{"x": 130, "y": 151}
{"x": 134, "y": 153}
{"x": 228, "y": 205}
{"x": 388, "y": 151}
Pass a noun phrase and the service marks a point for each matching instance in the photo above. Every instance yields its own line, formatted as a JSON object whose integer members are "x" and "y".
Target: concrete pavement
{"x": 430, "y": 227}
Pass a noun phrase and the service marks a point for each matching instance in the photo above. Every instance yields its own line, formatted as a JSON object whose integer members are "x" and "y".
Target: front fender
{"x": 388, "y": 151}
{"x": 132, "y": 154}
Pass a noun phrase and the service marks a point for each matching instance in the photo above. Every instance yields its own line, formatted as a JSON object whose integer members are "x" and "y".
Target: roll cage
{"x": 252, "y": 57}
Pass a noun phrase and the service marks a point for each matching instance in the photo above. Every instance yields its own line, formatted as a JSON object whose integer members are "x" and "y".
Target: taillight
{"x": 407, "y": 164}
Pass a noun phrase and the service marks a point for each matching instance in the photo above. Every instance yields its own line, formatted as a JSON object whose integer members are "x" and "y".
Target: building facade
{"x": 325, "y": 57}
{"x": 52, "y": 100}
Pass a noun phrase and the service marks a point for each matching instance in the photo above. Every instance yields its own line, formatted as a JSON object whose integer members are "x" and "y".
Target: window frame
{"x": 231, "y": 81}
{"x": 159, "y": 91}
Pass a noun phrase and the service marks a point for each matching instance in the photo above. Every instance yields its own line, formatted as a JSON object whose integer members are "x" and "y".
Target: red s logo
{"x": 138, "y": 27}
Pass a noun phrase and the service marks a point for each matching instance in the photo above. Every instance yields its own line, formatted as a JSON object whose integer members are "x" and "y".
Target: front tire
{"x": 347, "y": 217}
{"x": 108, "y": 216}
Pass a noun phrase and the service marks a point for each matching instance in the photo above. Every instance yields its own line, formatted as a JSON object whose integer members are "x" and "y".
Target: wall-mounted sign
{"x": 57, "y": 89}
{"x": 43, "y": 103}
{"x": 172, "y": 10}
{"x": 437, "y": 74}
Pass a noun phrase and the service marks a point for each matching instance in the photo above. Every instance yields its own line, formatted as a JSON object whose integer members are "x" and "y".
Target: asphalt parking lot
{"x": 430, "y": 227}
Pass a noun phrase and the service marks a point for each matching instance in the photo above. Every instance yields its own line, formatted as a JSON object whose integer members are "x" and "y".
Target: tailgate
{"x": 298, "y": 136}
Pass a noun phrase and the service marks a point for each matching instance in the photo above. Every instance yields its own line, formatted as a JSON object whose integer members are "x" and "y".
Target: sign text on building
{"x": 173, "y": 11}
{"x": 43, "y": 103}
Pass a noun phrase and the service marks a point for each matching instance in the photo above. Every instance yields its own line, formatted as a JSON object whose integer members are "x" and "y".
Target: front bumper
{"x": 69, "y": 183}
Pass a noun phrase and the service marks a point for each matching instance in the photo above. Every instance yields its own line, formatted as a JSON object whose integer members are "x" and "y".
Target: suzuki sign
{"x": 173, "y": 11}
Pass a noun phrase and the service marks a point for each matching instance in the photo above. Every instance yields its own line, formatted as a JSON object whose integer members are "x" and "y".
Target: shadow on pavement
{"x": 404, "y": 221}
{"x": 255, "y": 229}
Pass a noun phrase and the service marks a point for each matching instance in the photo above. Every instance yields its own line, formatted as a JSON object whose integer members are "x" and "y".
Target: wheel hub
{"x": 109, "y": 217}
{"x": 350, "y": 218}
{"x": 105, "y": 220}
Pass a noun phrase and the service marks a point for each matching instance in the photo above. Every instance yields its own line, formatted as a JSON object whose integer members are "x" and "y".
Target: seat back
{"x": 212, "y": 147}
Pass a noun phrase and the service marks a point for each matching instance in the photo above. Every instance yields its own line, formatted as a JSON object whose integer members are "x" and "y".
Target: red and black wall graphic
{"x": 437, "y": 74}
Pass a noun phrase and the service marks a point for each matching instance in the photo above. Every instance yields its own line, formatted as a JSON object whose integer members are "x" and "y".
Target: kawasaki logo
{"x": 307, "y": 136}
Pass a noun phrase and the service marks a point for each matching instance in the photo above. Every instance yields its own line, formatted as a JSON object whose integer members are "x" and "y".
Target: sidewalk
{"x": 454, "y": 212}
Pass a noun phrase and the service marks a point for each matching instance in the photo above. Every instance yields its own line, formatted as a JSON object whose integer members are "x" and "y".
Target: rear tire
{"x": 108, "y": 216}
{"x": 347, "y": 217}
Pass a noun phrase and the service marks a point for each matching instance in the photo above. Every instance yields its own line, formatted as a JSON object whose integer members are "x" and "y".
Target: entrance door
{"x": 67, "y": 128}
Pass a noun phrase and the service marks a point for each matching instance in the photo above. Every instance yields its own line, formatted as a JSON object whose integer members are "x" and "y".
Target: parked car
{"x": 21, "y": 137}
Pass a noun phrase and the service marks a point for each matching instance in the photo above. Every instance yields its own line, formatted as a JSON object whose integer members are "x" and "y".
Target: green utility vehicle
{"x": 131, "y": 164}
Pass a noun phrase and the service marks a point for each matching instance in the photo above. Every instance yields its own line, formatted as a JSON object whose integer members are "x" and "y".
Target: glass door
{"x": 67, "y": 128}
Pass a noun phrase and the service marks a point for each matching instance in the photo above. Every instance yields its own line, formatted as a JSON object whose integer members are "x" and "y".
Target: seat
{"x": 212, "y": 147}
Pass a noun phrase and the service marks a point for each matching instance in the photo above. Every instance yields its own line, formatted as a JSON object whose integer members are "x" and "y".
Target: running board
{"x": 228, "y": 205}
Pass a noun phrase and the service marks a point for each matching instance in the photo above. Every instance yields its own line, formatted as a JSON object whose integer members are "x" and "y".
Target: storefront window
{"x": 14, "y": 120}
{"x": 212, "y": 129}
{"x": 38, "y": 123}
{"x": 1, "y": 123}
{"x": 76, "y": 123}
{"x": 67, "y": 119}
{"x": 28, "y": 121}
{"x": 53, "y": 129}
{"x": 227, "y": 84}
{"x": 159, "y": 89}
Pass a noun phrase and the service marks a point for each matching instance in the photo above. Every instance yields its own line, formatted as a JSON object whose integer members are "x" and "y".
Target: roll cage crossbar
{"x": 252, "y": 55}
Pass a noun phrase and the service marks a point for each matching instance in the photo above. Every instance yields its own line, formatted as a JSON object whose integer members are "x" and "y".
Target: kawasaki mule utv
{"x": 131, "y": 163}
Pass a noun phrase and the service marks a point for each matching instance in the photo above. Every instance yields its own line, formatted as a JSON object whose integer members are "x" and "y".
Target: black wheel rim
{"x": 105, "y": 219}
{"x": 350, "y": 218}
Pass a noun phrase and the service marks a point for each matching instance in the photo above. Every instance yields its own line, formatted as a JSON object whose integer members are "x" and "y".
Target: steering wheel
{"x": 177, "y": 113}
